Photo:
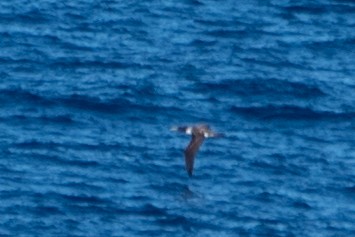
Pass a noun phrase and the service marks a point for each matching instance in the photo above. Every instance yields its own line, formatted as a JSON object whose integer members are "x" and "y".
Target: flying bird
{"x": 198, "y": 134}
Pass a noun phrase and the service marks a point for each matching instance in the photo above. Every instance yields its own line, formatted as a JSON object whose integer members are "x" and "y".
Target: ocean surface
{"x": 90, "y": 89}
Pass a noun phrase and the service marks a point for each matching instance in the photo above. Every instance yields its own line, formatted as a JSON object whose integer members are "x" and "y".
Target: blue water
{"x": 89, "y": 90}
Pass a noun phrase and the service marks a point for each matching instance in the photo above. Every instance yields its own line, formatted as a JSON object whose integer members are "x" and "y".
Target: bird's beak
{"x": 173, "y": 128}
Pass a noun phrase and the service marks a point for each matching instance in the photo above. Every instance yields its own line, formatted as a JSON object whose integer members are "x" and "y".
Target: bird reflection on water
{"x": 187, "y": 193}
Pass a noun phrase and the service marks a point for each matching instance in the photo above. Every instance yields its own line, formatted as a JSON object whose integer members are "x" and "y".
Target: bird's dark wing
{"x": 190, "y": 152}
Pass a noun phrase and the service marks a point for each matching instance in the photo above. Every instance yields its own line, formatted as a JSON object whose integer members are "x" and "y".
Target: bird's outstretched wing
{"x": 191, "y": 151}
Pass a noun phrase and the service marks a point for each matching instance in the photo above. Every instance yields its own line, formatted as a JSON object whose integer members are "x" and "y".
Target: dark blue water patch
{"x": 345, "y": 3}
{"x": 332, "y": 45}
{"x": 320, "y": 9}
{"x": 52, "y": 159}
{"x": 269, "y": 87}
{"x": 75, "y": 63}
{"x": 193, "y": 2}
{"x": 29, "y": 45}
{"x": 31, "y": 17}
{"x": 86, "y": 187}
{"x": 203, "y": 43}
{"x": 156, "y": 232}
{"x": 265, "y": 230}
{"x": 290, "y": 112}
{"x": 220, "y": 23}
{"x": 191, "y": 72}
{"x": 176, "y": 220}
{"x": 80, "y": 199}
{"x": 26, "y": 227}
{"x": 62, "y": 44}
{"x": 4, "y": 232}
{"x": 95, "y": 104}
{"x": 317, "y": 139}
{"x": 42, "y": 210}
{"x": 77, "y": 101}
{"x": 310, "y": 9}
{"x": 36, "y": 144}
{"x": 267, "y": 197}
{"x": 173, "y": 187}
{"x": 282, "y": 169}
{"x": 350, "y": 190}
{"x": 44, "y": 119}
{"x": 151, "y": 210}
{"x": 302, "y": 205}
{"x": 229, "y": 33}
{"x": 42, "y": 204}
{"x": 18, "y": 95}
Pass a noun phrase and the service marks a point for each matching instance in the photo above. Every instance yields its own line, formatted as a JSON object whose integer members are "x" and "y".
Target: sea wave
{"x": 290, "y": 112}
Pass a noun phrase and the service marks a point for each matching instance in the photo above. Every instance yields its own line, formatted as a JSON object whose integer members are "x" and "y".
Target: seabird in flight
{"x": 198, "y": 133}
